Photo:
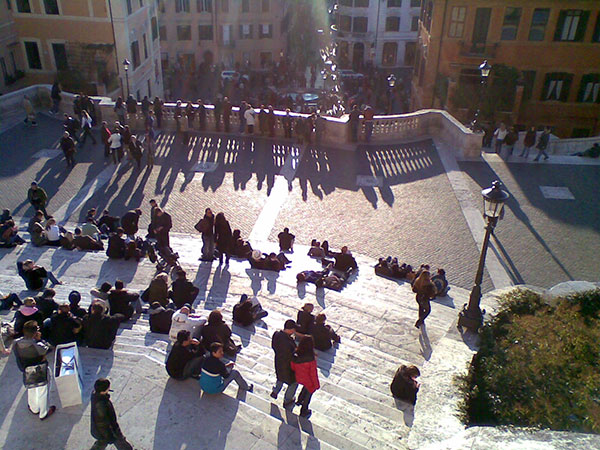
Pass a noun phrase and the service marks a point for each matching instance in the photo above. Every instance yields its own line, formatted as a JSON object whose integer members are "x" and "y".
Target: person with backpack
{"x": 206, "y": 226}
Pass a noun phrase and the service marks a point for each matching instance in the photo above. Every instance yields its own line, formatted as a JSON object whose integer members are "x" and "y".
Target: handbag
{"x": 36, "y": 375}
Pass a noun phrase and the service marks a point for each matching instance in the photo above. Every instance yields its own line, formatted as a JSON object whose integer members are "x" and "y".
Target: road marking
{"x": 63, "y": 213}
{"x": 279, "y": 193}
{"x": 497, "y": 270}
{"x": 557, "y": 193}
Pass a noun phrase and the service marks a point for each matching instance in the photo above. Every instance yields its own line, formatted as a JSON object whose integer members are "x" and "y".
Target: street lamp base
{"x": 469, "y": 319}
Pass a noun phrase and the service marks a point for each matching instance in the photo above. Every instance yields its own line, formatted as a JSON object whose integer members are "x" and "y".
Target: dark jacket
{"x": 29, "y": 352}
{"x": 160, "y": 320}
{"x": 425, "y": 293}
{"x": 224, "y": 237}
{"x": 104, "y": 426}
{"x": 322, "y": 335}
{"x": 62, "y": 328}
{"x": 46, "y": 305}
{"x": 183, "y": 291}
{"x": 120, "y": 302}
{"x": 305, "y": 321}
{"x": 344, "y": 261}
{"x": 284, "y": 347}
{"x": 34, "y": 278}
{"x": 116, "y": 246}
{"x": 25, "y": 314}
{"x": 100, "y": 330}
{"x": 206, "y": 225}
{"x": 242, "y": 313}
{"x": 87, "y": 243}
{"x": 529, "y": 140}
{"x": 111, "y": 222}
{"x": 403, "y": 387}
{"x": 164, "y": 220}
{"x": 37, "y": 196}
{"x": 179, "y": 357}
{"x": 543, "y": 141}
{"x": 129, "y": 222}
{"x": 216, "y": 333}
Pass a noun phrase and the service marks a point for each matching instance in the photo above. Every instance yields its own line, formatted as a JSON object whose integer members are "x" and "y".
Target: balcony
{"x": 478, "y": 50}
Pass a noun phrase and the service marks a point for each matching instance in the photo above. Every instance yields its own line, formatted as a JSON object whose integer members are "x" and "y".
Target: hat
{"x": 256, "y": 255}
{"x": 101, "y": 385}
{"x": 187, "y": 305}
{"x": 289, "y": 325}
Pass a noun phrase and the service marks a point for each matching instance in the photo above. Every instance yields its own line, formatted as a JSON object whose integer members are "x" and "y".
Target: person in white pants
{"x": 30, "y": 351}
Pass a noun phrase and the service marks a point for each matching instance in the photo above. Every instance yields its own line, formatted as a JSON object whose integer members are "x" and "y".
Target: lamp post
{"x": 391, "y": 79}
{"x": 471, "y": 316}
{"x": 484, "y": 70}
{"x": 126, "y": 64}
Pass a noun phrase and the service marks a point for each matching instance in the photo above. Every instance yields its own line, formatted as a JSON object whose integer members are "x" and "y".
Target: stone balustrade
{"x": 437, "y": 124}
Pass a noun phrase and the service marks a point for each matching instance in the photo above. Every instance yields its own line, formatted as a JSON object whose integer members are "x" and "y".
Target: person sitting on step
{"x": 316, "y": 251}
{"x": 123, "y": 302}
{"x": 35, "y": 277}
{"x": 185, "y": 358}
{"x": 241, "y": 248}
{"x": 215, "y": 376}
{"x": 86, "y": 242}
{"x": 182, "y": 290}
{"x": 158, "y": 290}
{"x": 405, "y": 386}
{"x": 216, "y": 330}
{"x": 160, "y": 318}
{"x": 245, "y": 313}
{"x": 306, "y": 319}
{"x": 323, "y": 334}
{"x": 286, "y": 240}
{"x": 100, "y": 329}
{"x": 116, "y": 245}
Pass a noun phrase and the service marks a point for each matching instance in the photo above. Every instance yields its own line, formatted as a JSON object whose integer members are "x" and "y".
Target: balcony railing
{"x": 479, "y": 50}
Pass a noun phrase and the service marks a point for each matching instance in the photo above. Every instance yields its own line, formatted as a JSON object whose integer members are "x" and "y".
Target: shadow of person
{"x": 256, "y": 277}
{"x": 117, "y": 269}
{"x": 220, "y": 286}
{"x": 245, "y": 333}
{"x": 320, "y": 296}
{"x": 271, "y": 278}
{"x": 408, "y": 410}
{"x": 301, "y": 288}
{"x": 426, "y": 349}
{"x": 446, "y": 300}
{"x": 66, "y": 258}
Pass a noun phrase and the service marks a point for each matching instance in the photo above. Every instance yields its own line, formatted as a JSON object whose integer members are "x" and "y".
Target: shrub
{"x": 537, "y": 365}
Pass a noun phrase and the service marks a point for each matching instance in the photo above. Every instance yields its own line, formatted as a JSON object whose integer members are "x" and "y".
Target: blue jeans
{"x": 237, "y": 377}
{"x": 290, "y": 392}
{"x": 541, "y": 151}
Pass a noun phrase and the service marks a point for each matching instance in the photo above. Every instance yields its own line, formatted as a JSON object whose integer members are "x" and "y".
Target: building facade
{"x": 553, "y": 47}
{"x": 383, "y": 32}
{"x": 227, "y": 32}
{"x": 11, "y": 61}
{"x": 83, "y": 44}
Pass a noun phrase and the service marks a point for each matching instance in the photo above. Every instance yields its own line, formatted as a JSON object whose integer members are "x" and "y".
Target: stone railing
{"x": 437, "y": 124}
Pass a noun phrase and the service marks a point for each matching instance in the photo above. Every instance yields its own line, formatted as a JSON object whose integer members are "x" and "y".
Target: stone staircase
{"x": 353, "y": 408}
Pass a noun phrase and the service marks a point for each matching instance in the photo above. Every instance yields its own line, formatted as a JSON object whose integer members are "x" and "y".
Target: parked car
{"x": 350, "y": 74}
{"x": 230, "y": 75}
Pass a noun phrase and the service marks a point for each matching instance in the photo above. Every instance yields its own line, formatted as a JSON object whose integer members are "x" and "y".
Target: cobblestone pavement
{"x": 389, "y": 200}
{"x": 545, "y": 241}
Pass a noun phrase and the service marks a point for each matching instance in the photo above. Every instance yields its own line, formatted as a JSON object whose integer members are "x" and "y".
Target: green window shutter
{"x": 564, "y": 93}
{"x": 559, "y": 25}
{"x": 547, "y": 80}
{"x": 580, "y": 33}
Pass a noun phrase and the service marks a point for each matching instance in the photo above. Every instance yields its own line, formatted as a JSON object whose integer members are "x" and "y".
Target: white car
{"x": 230, "y": 75}
{"x": 346, "y": 73}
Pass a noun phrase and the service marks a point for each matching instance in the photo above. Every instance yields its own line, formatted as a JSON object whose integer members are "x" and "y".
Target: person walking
{"x": 528, "y": 142}
{"x": 284, "y": 347}
{"x": 223, "y": 238}
{"x": 149, "y": 146}
{"x": 218, "y": 111}
{"x": 500, "y": 135}
{"x": 241, "y": 117}
{"x": 30, "y": 352}
{"x": 162, "y": 226}
{"x": 86, "y": 127}
{"x": 304, "y": 365}
{"x": 115, "y": 144}
{"x": 136, "y": 151}
{"x": 226, "y": 114}
{"x": 201, "y": 115}
{"x": 425, "y": 291}
{"x": 368, "y": 114}
{"x": 250, "y": 117}
{"x": 131, "y": 105}
{"x": 55, "y": 96}
{"x": 105, "y": 135}
{"x": 510, "y": 140}
{"x": 120, "y": 110}
{"x": 29, "y": 111}
{"x": 354, "y": 122}
{"x": 206, "y": 226}
{"x": 67, "y": 144}
{"x": 104, "y": 426}
{"x": 158, "y": 111}
{"x": 38, "y": 198}
{"x": 542, "y": 144}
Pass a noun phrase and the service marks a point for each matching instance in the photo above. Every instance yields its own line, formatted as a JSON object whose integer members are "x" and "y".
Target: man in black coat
{"x": 120, "y": 300}
{"x": 186, "y": 357}
{"x": 63, "y": 327}
{"x": 284, "y": 346}
{"x": 100, "y": 329}
{"x": 116, "y": 245}
{"x": 183, "y": 291}
{"x": 129, "y": 222}
{"x": 108, "y": 223}
{"x": 104, "y": 425}
{"x": 160, "y": 318}
{"x": 162, "y": 226}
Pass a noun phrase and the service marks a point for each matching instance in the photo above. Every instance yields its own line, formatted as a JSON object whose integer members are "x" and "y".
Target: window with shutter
{"x": 539, "y": 20}
{"x": 596, "y": 35}
{"x": 571, "y": 25}
{"x": 510, "y": 26}
{"x": 589, "y": 90}
{"x": 457, "y": 21}
{"x": 557, "y": 86}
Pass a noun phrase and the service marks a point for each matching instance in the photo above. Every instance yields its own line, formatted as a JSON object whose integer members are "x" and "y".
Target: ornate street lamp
{"x": 484, "y": 70}
{"x": 126, "y": 65}
{"x": 391, "y": 79}
{"x": 471, "y": 316}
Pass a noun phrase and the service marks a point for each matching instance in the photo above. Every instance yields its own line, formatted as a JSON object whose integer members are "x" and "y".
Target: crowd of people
{"x": 507, "y": 138}
{"x": 199, "y": 344}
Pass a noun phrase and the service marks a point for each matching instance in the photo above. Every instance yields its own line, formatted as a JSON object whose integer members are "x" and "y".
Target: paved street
{"x": 387, "y": 200}
{"x": 543, "y": 240}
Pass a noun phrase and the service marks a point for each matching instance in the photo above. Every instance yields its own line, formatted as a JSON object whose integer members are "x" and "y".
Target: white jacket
{"x": 249, "y": 116}
{"x": 115, "y": 140}
{"x": 181, "y": 321}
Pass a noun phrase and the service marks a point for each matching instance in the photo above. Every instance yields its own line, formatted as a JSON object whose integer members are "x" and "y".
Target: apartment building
{"x": 383, "y": 32}
{"x": 84, "y": 43}
{"x": 11, "y": 62}
{"x": 221, "y": 31}
{"x": 554, "y": 45}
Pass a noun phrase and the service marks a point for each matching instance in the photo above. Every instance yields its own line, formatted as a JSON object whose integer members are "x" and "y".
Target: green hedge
{"x": 538, "y": 366}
